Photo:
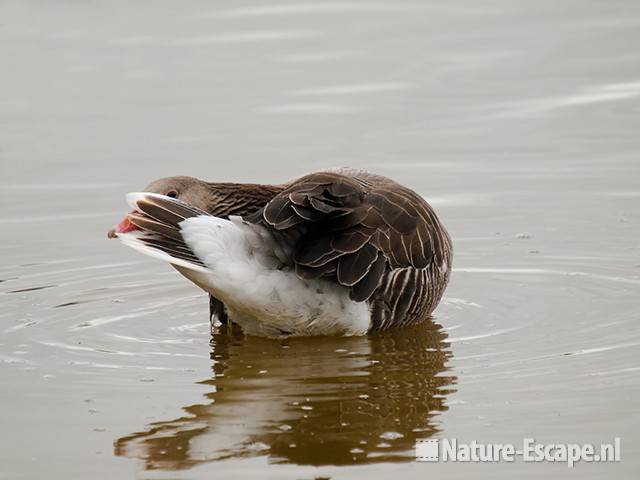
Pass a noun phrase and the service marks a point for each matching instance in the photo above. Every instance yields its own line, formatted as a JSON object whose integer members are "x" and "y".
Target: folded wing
{"x": 353, "y": 229}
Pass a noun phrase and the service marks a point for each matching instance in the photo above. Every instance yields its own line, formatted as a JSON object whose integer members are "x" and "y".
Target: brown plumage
{"x": 377, "y": 238}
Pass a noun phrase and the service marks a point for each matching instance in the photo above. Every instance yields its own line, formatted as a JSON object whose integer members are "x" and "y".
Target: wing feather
{"x": 353, "y": 267}
{"x": 354, "y": 228}
{"x": 370, "y": 282}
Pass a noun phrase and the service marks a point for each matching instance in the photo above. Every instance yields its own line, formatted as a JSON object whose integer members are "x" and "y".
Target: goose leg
{"x": 217, "y": 310}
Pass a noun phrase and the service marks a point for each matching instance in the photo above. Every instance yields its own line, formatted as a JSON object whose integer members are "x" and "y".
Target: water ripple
{"x": 544, "y": 271}
{"x": 319, "y": 8}
{"x": 354, "y": 89}
{"x": 590, "y": 95}
{"x": 311, "y": 108}
{"x": 246, "y": 37}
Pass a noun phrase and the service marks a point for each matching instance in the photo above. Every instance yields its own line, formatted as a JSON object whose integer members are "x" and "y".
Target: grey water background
{"x": 517, "y": 120}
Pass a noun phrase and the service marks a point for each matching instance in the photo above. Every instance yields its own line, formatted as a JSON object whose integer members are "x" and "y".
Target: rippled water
{"x": 518, "y": 121}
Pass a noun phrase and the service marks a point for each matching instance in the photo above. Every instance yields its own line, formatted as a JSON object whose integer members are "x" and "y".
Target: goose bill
{"x": 124, "y": 226}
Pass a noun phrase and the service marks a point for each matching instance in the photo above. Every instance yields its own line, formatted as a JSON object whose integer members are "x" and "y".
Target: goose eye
{"x": 172, "y": 194}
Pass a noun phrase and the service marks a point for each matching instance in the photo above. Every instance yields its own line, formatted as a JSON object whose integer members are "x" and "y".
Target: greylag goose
{"x": 339, "y": 251}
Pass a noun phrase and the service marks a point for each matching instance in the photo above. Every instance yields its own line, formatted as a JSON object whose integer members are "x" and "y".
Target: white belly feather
{"x": 263, "y": 296}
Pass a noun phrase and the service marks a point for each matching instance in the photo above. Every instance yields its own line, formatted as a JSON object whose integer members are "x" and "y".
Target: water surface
{"x": 518, "y": 121}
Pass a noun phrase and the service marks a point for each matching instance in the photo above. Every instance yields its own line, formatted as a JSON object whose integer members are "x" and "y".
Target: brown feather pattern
{"x": 372, "y": 235}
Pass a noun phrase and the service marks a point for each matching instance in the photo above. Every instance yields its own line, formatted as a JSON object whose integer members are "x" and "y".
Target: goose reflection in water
{"x": 308, "y": 401}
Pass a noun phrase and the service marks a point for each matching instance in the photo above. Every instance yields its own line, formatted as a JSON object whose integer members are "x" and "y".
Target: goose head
{"x": 190, "y": 190}
{"x": 218, "y": 199}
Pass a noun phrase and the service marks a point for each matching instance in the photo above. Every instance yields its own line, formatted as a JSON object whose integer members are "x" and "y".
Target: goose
{"x": 335, "y": 252}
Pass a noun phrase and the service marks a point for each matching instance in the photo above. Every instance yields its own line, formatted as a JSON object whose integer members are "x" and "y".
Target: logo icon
{"x": 427, "y": 450}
